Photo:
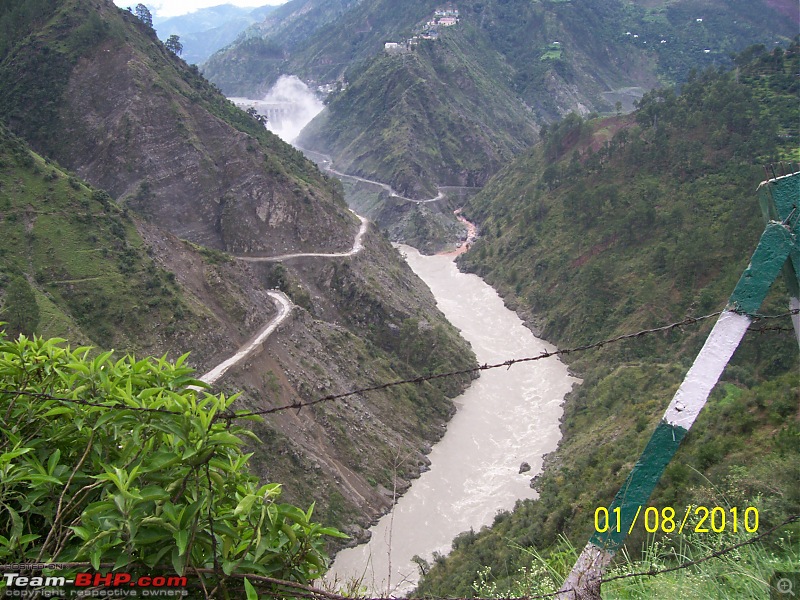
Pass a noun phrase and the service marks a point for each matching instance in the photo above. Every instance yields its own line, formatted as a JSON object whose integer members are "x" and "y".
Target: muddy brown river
{"x": 507, "y": 416}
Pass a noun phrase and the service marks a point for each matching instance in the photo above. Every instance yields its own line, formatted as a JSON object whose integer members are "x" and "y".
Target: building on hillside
{"x": 448, "y": 21}
{"x": 395, "y": 48}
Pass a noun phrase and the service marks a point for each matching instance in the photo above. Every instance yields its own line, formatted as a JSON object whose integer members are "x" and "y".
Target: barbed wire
{"x": 508, "y": 364}
{"x": 229, "y": 415}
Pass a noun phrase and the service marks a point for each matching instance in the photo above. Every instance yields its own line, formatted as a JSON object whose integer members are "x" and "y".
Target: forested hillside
{"x": 622, "y": 224}
{"x": 452, "y": 109}
{"x": 436, "y": 117}
{"x": 601, "y": 46}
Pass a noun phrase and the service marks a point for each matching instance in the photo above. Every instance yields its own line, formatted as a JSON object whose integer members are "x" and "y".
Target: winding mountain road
{"x": 284, "y": 304}
{"x": 357, "y": 246}
{"x": 285, "y": 307}
{"x": 327, "y": 164}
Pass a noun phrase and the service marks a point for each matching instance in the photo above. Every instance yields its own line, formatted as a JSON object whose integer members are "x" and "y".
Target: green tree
{"x": 143, "y": 13}
{"x": 174, "y": 45}
{"x": 20, "y": 309}
{"x": 122, "y": 462}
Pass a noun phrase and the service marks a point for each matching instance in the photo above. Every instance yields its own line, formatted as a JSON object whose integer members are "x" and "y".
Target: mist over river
{"x": 507, "y": 416}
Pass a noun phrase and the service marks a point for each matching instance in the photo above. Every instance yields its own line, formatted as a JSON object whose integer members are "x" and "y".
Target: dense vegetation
{"x": 117, "y": 461}
{"x": 621, "y": 224}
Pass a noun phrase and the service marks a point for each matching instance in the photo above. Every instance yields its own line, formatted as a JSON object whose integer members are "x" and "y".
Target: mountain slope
{"x": 622, "y": 224}
{"x": 158, "y": 137}
{"x": 453, "y": 109}
{"x": 79, "y": 258}
{"x": 91, "y": 87}
{"x": 250, "y": 65}
{"x": 436, "y": 117}
{"x": 602, "y": 46}
{"x": 204, "y": 31}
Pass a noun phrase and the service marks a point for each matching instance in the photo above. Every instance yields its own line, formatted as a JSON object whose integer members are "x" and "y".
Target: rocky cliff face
{"x": 176, "y": 162}
{"x": 132, "y": 118}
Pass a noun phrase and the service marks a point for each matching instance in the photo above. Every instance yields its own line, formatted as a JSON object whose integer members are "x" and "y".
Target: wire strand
{"x": 229, "y": 415}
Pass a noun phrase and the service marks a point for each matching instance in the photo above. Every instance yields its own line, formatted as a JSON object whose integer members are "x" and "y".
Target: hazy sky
{"x": 172, "y": 8}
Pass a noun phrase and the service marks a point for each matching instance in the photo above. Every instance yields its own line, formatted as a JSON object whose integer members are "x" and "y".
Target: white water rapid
{"x": 506, "y": 417}
{"x": 297, "y": 103}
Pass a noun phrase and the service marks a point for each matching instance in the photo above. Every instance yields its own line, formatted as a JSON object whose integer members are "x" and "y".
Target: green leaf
{"x": 16, "y": 523}
{"x": 153, "y": 492}
{"x": 245, "y": 504}
{"x": 37, "y": 479}
{"x": 228, "y": 566}
{"x": 7, "y": 456}
{"x": 272, "y": 512}
{"x": 161, "y": 460}
{"x": 331, "y": 531}
{"x": 223, "y": 438}
{"x": 103, "y": 419}
{"x": 310, "y": 511}
{"x": 53, "y": 461}
{"x": 147, "y": 536}
{"x": 122, "y": 560}
{"x": 251, "y": 592}
{"x": 178, "y": 561}
{"x": 171, "y": 512}
{"x": 28, "y": 538}
{"x": 81, "y": 532}
{"x": 182, "y": 538}
{"x": 58, "y": 410}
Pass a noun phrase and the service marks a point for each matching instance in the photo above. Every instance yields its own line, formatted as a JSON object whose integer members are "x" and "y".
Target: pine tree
{"x": 143, "y": 13}
{"x": 174, "y": 45}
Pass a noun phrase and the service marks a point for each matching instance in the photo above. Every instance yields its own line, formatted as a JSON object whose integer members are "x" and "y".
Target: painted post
{"x": 778, "y": 198}
{"x": 778, "y": 249}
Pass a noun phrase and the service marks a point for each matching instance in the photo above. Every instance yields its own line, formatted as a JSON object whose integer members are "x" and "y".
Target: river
{"x": 506, "y": 417}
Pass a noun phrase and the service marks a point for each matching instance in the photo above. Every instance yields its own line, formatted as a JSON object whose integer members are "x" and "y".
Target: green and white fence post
{"x": 778, "y": 249}
{"x": 778, "y": 197}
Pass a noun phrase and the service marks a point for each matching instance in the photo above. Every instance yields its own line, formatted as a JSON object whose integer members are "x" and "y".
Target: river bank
{"x": 505, "y": 418}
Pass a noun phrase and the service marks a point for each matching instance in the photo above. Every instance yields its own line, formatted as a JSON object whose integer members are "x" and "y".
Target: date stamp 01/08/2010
{"x": 699, "y": 519}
